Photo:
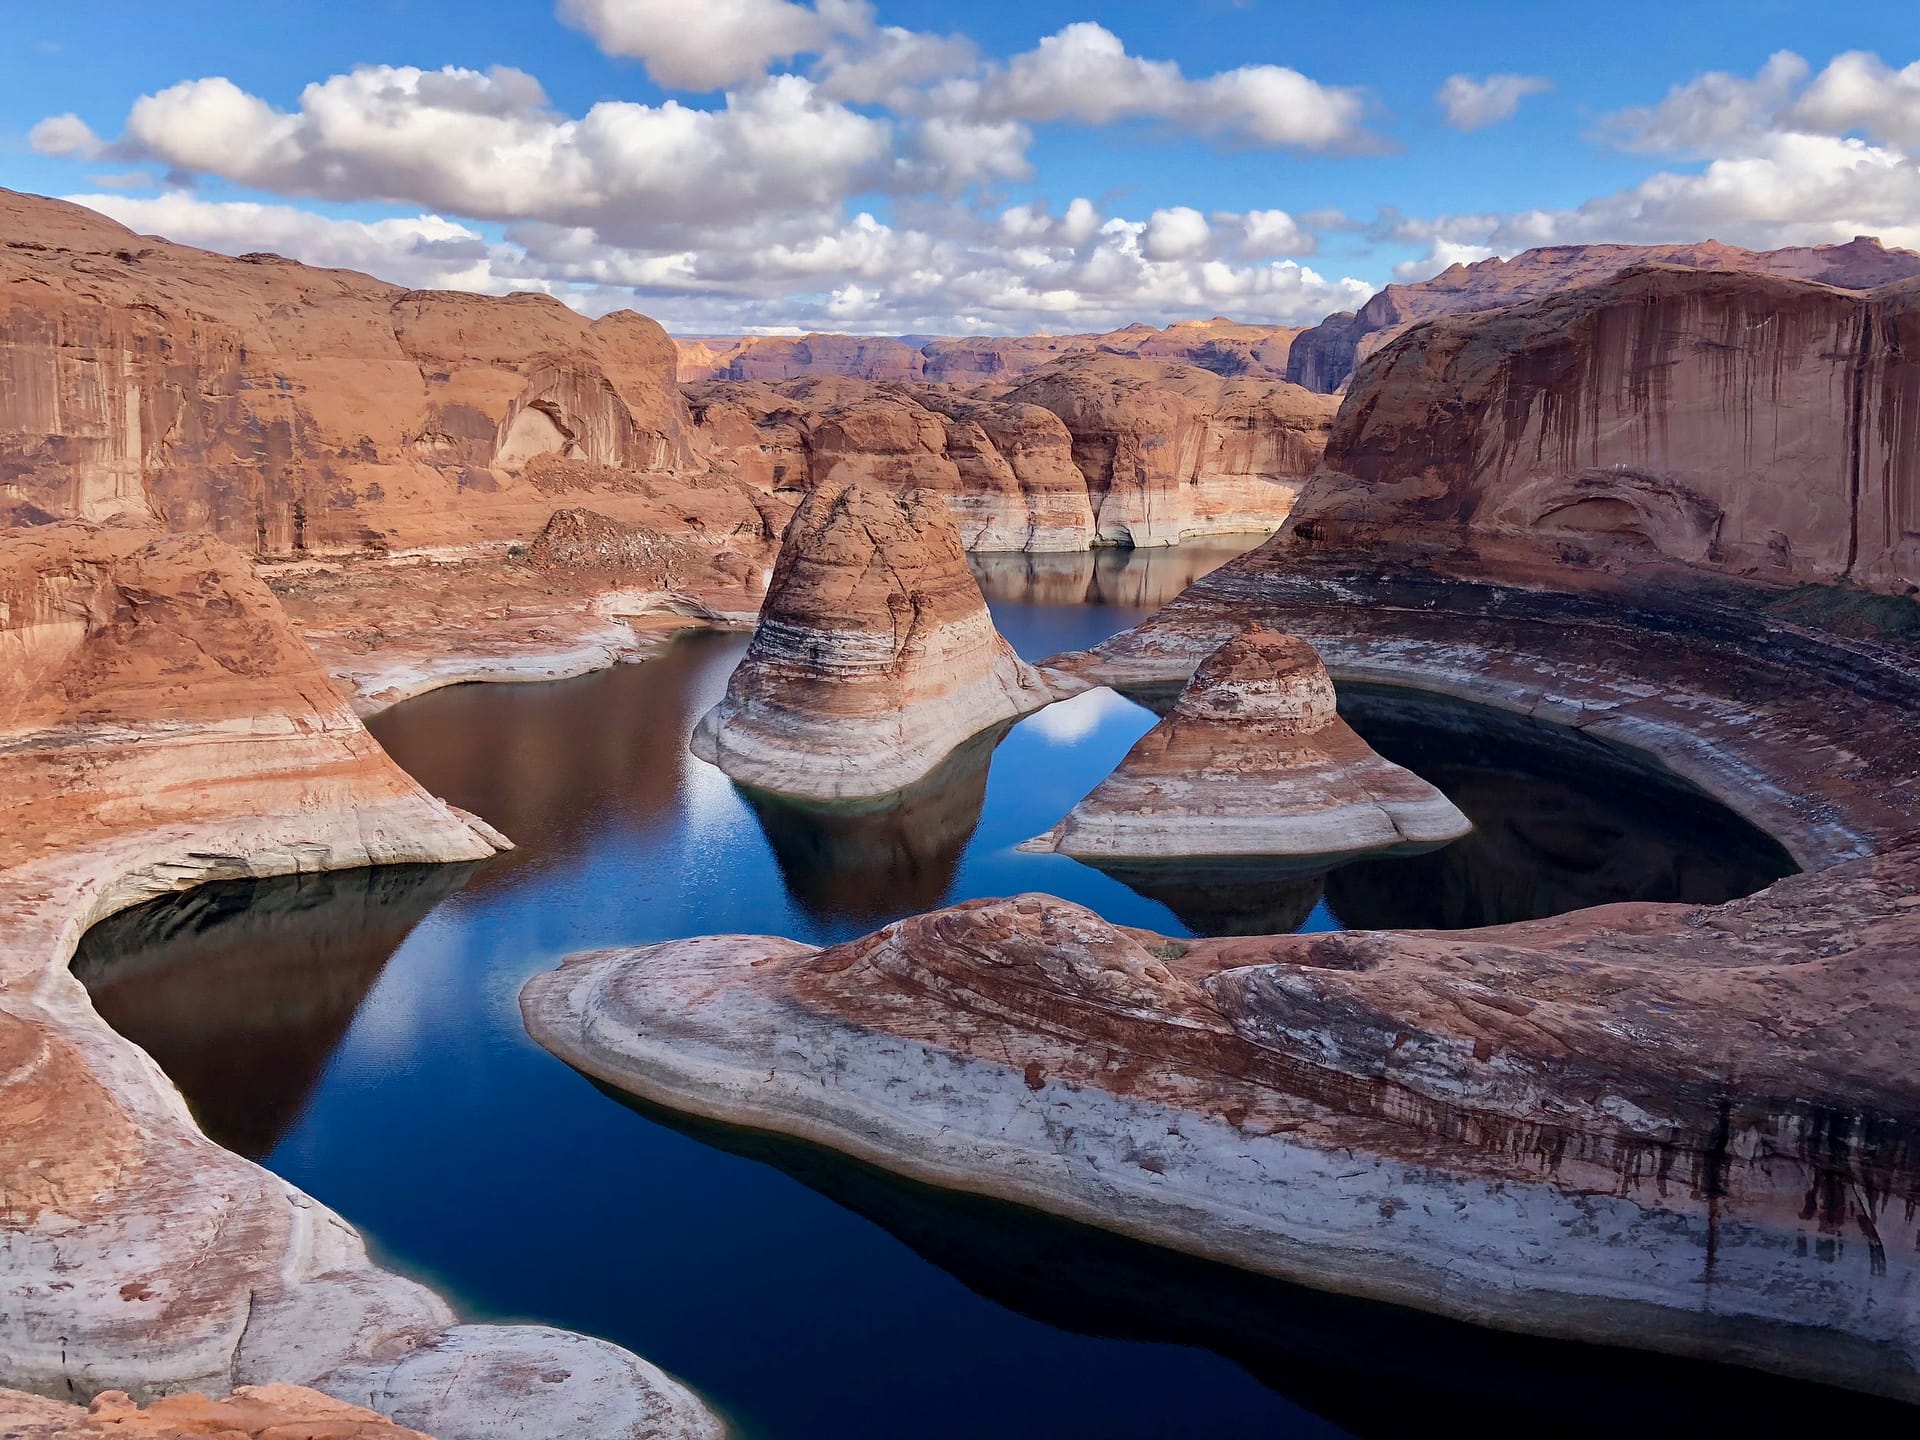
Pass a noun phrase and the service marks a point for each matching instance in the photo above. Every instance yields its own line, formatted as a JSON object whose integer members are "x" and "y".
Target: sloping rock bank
{"x": 875, "y": 656}
{"x": 1688, "y": 1129}
{"x": 164, "y": 726}
{"x": 1253, "y": 761}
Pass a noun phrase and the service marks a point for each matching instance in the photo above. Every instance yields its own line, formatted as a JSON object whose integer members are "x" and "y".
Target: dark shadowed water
{"x": 359, "y": 1033}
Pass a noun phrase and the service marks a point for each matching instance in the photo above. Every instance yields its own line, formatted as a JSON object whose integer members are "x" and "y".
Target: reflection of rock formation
{"x": 874, "y": 656}
{"x": 1372, "y": 1369}
{"x": 1225, "y": 897}
{"x": 242, "y": 990}
{"x": 1561, "y": 822}
{"x": 868, "y": 861}
{"x": 527, "y": 753}
{"x": 1112, "y": 575}
{"x": 1253, "y": 761}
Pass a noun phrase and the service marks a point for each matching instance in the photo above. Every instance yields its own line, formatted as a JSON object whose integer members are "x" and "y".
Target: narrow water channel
{"x": 359, "y": 1034}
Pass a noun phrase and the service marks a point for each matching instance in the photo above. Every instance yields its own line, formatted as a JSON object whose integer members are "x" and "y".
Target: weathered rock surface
{"x": 253, "y": 1412}
{"x": 1450, "y": 1121}
{"x": 1324, "y": 357}
{"x": 161, "y": 725}
{"x": 1760, "y": 426}
{"x": 874, "y": 657}
{"x": 291, "y": 410}
{"x": 1220, "y": 345}
{"x": 1253, "y": 761}
{"x": 1686, "y": 1128}
{"x": 1170, "y": 452}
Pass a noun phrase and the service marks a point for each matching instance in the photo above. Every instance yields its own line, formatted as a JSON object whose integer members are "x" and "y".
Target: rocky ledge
{"x": 1253, "y": 760}
{"x": 874, "y": 657}
{"x": 1686, "y": 1128}
{"x": 164, "y": 726}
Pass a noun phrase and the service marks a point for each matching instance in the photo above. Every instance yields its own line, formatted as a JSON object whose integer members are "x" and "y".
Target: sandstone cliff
{"x": 1224, "y": 346}
{"x": 1324, "y": 357}
{"x": 1170, "y": 452}
{"x": 874, "y": 657}
{"x": 161, "y": 725}
{"x": 288, "y": 409}
{"x": 1253, "y": 761}
{"x": 1759, "y": 426}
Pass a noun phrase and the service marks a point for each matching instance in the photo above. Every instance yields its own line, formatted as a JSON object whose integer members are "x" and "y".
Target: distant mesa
{"x": 874, "y": 658}
{"x": 1253, "y": 761}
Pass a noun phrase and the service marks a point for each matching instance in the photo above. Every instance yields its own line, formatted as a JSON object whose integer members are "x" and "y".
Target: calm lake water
{"x": 359, "y": 1034}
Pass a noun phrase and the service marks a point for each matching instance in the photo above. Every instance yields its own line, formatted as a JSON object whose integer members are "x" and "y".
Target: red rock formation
{"x": 1253, "y": 761}
{"x": 1324, "y": 357}
{"x": 1170, "y": 452}
{"x": 1224, "y": 346}
{"x": 288, "y": 409}
{"x": 1759, "y": 426}
{"x": 874, "y": 659}
{"x": 253, "y": 1412}
{"x": 162, "y": 725}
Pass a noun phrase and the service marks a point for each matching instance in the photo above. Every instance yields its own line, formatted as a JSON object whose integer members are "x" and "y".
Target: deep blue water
{"x": 360, "y": 1034}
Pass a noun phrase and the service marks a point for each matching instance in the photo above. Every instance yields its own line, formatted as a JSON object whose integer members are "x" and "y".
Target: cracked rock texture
{"x": 874, "y": 658}
{"x": 1253, "y": 761}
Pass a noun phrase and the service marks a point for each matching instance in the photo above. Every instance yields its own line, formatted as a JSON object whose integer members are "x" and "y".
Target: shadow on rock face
{"x": 1371, "y": 1368}
{"x": 241, "y": 990}
{"x": 866, "y": 862}
{"x": 1561, "y": 822}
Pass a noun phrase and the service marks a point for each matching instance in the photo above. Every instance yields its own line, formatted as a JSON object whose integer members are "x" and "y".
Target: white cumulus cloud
{"x": 1471, "y": 104}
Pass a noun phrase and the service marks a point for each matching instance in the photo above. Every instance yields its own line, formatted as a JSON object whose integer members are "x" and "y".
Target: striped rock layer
{"x": 1254, "y": 761}
{"x": 874, "y": 657}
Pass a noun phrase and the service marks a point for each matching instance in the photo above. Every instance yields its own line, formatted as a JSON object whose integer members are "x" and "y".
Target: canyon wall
{"x": 1758, "y": 426}
{"x": 1087, "y": 450}
{"x": 1324, "y": 357}
{"x": 290, "y": 409}
{"x": 1223, "y": 346}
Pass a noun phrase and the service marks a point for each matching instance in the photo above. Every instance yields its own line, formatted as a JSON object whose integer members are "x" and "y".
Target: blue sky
{"x": 910, "y": 166}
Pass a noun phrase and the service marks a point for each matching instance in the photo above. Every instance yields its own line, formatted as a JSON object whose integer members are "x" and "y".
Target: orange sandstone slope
{"x": 289, "y": 409}
{"x": 1754, "y": 425}
{"x": 1324, "y": 357}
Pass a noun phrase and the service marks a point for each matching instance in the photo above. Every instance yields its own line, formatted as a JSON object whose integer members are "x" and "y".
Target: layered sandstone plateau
{"x": 1324, "y": 358}
{"x": 874, "y": 658}
{"x": 1253, "y": 760}
{"x": 1223, "y": 346}
{"x": 162, "y": 725}
{"x": 1759, "y": 426}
